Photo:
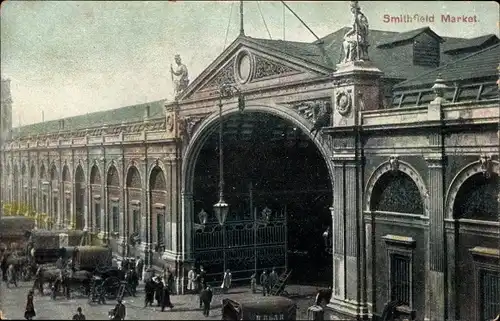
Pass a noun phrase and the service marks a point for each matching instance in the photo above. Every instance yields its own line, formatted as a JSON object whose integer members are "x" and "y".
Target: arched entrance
{"x": 95, "y": 200}
{"x": 66, "y": 180}
{"x": 161, "y": 234}
{"x": 278, "y": 187}
{"x": 79, "y": 198}
{"x": 473, "y": 204}
{"x": 136, "y": 218}
{"x": 114, "y": 193}
{"x": 54, "y": 191}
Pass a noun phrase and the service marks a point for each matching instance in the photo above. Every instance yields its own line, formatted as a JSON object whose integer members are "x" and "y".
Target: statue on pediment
{"x": 179, "y": 75}
{"x": 356, "y": 39}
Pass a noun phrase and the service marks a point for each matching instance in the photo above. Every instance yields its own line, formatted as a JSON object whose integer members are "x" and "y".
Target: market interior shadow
{"x": 285, "y": 172}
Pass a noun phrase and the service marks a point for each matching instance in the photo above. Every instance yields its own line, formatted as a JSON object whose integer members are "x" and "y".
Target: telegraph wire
{"x": 264, "y": 20}
{"x": 228, "y": 25}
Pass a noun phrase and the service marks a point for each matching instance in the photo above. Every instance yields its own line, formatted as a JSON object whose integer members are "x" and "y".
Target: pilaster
{"x": 436, "y": 287}
{"x": 145, "y": 213}
{"x": 88, "y": 196}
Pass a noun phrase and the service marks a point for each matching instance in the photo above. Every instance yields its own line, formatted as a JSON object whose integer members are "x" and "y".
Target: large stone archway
{"x": 205, "y": 134}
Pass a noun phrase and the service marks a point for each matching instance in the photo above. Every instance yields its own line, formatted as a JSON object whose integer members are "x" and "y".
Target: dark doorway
{"x": 270, "y": 163}
{"x": 79, "y": 198}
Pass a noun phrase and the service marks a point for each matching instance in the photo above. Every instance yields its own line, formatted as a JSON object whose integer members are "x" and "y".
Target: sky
{"x": 67, "y": 58}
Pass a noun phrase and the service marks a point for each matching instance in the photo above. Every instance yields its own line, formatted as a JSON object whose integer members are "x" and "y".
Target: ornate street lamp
{"x": 221, "y": 208}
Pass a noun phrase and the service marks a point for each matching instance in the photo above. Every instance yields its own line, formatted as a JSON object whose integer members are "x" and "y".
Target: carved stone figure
{"x": 486, "y": 166}
{"x": 394, "y": 163}
{"x": 356, "y": 40}
{"x": 202, "y": 217}
{"x": 179, "y": 76}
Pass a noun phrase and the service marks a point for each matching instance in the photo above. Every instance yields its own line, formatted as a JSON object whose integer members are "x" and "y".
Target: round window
{"x": 243, "y": 66}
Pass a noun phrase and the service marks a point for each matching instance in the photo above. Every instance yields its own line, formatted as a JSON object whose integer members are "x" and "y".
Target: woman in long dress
{"x": 29, "y": 313}
{"x": 191, "y": 281}
{"x": 226, "y": 282}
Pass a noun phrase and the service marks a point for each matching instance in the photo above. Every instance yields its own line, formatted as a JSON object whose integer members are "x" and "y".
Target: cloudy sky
{"x": 72, "y": 57}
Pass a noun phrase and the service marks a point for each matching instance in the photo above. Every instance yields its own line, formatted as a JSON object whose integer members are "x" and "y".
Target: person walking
{"x": 253, "y": 283}
{"x": 139, "y": 266}
{"x": 79, "y": 315}
{"x": 169, "y": 280}
{"x": 149, "y": 289}
{"x": 206, "y": 296}
{"x": 29, "y": 312}
{"x": 273, "y": 278}
{"x": 191, "y": 281}
{"x": 165, "y": 300}
{"x": 264, "y": 282}
{"x": 119, "y": 312}
{"x": 226, "y": 281}
{"x": 11, "y": 276}
{"x": 158, "y": 290}
{"x": 203, "y": 277}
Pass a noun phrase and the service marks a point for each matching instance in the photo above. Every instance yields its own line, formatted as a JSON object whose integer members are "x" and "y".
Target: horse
{"x": 25, "y": 267}
{"x": 44, "y": 275}
{"x": 76, "y": 280}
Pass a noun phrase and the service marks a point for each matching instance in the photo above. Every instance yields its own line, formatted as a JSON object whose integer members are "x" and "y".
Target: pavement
{"x": 13, "y": 301}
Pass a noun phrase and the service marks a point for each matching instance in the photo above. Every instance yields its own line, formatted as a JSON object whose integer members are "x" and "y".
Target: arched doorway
{"x": 160, "y": 222}
{"x": 34, "y": 189}
{"x": 113, "y": 198}
{"x": 15, "y": 184}
{"x": 79, "y": 198}
{"x": 475, "y": 210}
{"x": 136, "y": 219}
{"x": 44, "y": 190}
{"x": 54, "y": 188}
{"x": 278, "y": 188}
{"x": 95, "y": 192}
{"x": 66, "y": 180}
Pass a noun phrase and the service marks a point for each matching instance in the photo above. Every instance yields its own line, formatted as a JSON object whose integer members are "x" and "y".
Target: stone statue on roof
{"x": 356, "y": 39}
{"x": 179, "y": 76}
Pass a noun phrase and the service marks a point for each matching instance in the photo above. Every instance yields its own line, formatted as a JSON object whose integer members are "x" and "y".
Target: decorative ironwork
{"x": 250, "y": 244}
{"x": 266, "y": 68}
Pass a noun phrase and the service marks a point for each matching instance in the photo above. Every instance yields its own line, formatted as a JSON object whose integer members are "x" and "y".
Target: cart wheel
{"x": 110, "y": 286}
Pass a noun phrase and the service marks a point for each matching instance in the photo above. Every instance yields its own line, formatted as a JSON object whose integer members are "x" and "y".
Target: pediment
{"x": 249, "y": 68}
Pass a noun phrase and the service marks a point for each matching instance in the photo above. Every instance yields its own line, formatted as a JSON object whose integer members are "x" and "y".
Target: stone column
{"x": 339, "y": 272}
{"x": 73, "y": 203}
{"x": 87, "y": 198}
{"x": 187, "y": 227}
{"x": 145, "y": 214}
{"x": 435, "y": 292}
{"x": 103, "y": 200}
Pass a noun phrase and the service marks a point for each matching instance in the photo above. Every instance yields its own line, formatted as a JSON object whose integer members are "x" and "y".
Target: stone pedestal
{"x": 357, "y": 88}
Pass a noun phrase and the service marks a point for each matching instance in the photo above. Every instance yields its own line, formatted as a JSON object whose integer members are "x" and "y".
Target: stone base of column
{"x": 435, "y": 299}
{"x": 339, "y": 309}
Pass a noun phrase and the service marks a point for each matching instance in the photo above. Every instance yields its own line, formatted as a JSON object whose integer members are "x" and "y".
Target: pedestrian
{"x": 203, "y": 277}
{"x": 149, "y": 289}
{"x": 158, "y": 290}
{"x": 29, "y": 312}
{"x": 79, "y": 315}
{"x": 253, "y": 283}
{"x": 226, "y": 281}
{"x": 206, "y": 298}
{"x": 11, "y": 275}
{"x": 165, "y": 300}
{"x": 264, "y": 282}
{"x": 139, "y": 266}
{"x": 191, "y": 280}
{"x": 197, "y": 283}
{"x": 119, "y": 311}
{"x": 273, "y": 278}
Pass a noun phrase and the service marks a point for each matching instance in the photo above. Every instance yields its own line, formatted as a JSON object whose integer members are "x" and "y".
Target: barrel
{"x": 315, "y": 312}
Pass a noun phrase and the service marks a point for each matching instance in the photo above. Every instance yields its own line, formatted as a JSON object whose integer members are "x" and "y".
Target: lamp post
{"x": 221, "y": 208}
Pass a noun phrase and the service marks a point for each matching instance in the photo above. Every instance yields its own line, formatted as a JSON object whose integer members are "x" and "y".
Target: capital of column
{"x": 434, "y": 160}
{"x": 187, "y": 196}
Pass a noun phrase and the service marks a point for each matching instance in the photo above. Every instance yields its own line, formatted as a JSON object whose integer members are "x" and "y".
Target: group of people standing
{"x": 159, "y": 289}
{"x": 267, "y": 281}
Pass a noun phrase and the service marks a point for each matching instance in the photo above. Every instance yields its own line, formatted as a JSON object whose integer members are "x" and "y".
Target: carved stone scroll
{"x": 267, "y": 68}
{"x": 224, "y": 76}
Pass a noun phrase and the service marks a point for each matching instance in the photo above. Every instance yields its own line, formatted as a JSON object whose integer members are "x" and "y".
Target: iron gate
{"x": 251, "y": 246}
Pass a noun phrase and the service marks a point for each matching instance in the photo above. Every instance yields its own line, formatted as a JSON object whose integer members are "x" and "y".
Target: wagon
{"x": 55, "y": 239}
{"x": 259, "y": 308}
{"x": 88, "y": 258}
{"x": 13, "y": 230}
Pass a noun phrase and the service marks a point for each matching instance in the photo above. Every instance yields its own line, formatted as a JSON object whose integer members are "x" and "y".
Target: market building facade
{"x": 395, "y": 139}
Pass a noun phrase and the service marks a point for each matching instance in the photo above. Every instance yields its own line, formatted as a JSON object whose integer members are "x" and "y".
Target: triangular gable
{"x": 249, "y": 66}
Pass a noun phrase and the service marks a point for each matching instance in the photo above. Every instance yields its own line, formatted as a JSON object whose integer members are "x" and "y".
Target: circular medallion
{"x": 243, "y": 67}
{"x": 170, "y": 122}
{"x": 343, "y": 103}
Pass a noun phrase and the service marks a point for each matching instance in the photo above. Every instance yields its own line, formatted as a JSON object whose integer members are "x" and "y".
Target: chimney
{"x": 146, "y": 112}
{"x": 61, "y": 124}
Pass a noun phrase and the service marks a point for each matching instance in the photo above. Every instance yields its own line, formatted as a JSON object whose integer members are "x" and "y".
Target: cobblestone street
{"x": 13, "y": 301}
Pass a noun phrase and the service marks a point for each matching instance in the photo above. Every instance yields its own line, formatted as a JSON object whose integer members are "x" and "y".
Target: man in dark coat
{"x": 264, "y": 282}
{"x": 206, "y": 298}
{"x": 158, "y": 290}
{"x": 203, "y": 277}
{"x": 323, "y": 296}
{"x": 3, "y": 266}
{"x": 139, "y": 266}
{"x": 165, "y": 300}
{"x": 149, "y": 289}
{"x": 119, "y": 311}
{"x": 79, "y": 315}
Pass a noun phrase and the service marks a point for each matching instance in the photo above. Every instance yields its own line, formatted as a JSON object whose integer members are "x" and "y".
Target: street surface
{"x": 13, "y": 302}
